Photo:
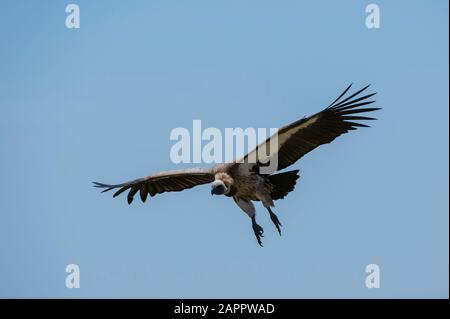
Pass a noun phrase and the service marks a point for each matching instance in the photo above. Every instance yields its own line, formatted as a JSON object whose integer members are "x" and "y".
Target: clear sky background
{"x": 98, "y": 103}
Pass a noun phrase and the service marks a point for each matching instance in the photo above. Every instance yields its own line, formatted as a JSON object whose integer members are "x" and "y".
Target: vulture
{"x": 245, "y": 179}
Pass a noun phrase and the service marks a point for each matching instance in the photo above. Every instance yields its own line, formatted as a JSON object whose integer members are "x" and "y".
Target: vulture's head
{"x": 222, "y": 184}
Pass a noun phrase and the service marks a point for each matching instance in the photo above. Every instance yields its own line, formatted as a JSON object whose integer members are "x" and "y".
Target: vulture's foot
{"x": 258, "y": 230}
{"x": 275, "y": 220}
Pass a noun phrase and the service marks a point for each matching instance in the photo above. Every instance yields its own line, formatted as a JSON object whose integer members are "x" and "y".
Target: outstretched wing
{"x": 304, "y": 135}
{"x": 170, "y": 181}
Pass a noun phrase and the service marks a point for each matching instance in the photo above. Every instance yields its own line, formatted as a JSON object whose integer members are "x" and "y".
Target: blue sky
{"x": 99, "y": 102}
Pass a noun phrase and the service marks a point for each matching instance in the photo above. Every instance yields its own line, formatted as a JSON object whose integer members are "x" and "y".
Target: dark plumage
{"x": 282, "y": 183}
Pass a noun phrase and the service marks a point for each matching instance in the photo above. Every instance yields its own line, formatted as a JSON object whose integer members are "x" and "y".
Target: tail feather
{"x": 283, "y": 183}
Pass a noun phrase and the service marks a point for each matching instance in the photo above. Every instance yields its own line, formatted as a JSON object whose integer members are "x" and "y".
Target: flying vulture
{"x": 243, "y": 179}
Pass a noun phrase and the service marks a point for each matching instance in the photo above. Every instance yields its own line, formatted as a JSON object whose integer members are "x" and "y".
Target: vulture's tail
{"x": 283, "y": 183}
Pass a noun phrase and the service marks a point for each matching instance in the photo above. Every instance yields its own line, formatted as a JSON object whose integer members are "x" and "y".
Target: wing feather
{"x": 170, "y": 181}
{"x": 299, "y": 138}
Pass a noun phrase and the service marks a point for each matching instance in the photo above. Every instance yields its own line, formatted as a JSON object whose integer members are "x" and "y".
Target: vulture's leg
{"x": 249, "y": 209}
{"x": 274, "y": 219}
{"x": 258, "y": 230}
{"x": 267, "y": 202}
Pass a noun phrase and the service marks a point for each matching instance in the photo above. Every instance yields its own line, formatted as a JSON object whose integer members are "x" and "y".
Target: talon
{"x": 275, "y": 220}
{"x": 258, "y": 230}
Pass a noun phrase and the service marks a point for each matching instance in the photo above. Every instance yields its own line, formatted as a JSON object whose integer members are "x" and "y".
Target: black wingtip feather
{"x": 352, "y": 106}
{"x": 358, "y": 118}
{"x": 341, "y": 95}
{"x": 334, "y": 105}
{"x": 120, "y": 191}
{"x": 356, "y": 111}
{"x": 97, "y": 184}
{"x": 108, "y": 189}
{"x": 352, "y": 102}
{"x": 354, "y": 124}
{"x": 348, "y": 107}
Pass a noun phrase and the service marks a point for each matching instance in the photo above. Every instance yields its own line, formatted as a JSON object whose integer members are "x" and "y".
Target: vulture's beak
{"x": 217, "y": 190}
